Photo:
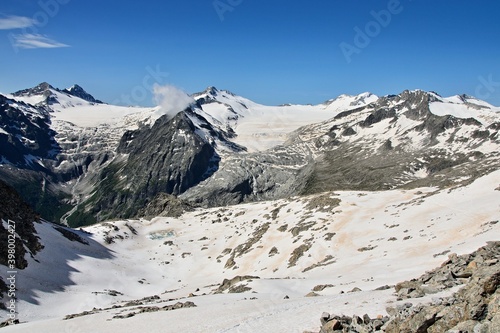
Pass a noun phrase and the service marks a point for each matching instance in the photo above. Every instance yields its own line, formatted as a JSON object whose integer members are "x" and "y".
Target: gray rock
{"x": 474, "y": 308}
{"x": 325, "y": 317}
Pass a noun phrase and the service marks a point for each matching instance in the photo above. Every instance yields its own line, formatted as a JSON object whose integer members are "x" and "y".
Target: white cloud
{"x": 15, "y": 22}
{"x": 36, "y": 41}
{"x": 171, "y": 99}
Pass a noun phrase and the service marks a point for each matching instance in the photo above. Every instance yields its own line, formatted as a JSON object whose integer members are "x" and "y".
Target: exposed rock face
{"x": 29, "y": 136}
{"x": 16, "y": 220}
{"x": 277, "y": 173}
{"x": 166, "y": 205}
{"x": 395, "y": 142}
{"x": 168, "y": 158}
{"x": 22, "y": 218}
{"x": 232, "y": 285}
{"x": 474, "y": 308}
{"x": 78, "y": 91}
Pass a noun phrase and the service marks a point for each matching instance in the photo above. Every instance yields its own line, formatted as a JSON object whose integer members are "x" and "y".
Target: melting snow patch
{"x": 159, "y": 235}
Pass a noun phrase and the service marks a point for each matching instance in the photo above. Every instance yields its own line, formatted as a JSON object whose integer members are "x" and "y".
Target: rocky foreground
{"x": 474, "y": 308}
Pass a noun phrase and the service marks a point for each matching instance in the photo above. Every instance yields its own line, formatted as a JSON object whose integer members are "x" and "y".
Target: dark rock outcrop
{"x": 474, "y": 308}
{"x": 78, "y": 91}
{"x": 231, "y": 285}
{"x": 166, "y": 205}
{"x": 168, "y": 158}
{"x": 26, "y": 136}
{"x": 17, "y": 219}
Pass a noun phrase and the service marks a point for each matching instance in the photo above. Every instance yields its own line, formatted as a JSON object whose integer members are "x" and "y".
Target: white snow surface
{"x": 464, "y": 107}
{"x": 405, "y": 232}
{"x": 85, "y": 114}
{"x": 260, "y": 127}
{"x": 377, "y": 239}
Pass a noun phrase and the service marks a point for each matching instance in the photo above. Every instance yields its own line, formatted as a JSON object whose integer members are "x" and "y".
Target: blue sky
{"x": 272, "y": 51}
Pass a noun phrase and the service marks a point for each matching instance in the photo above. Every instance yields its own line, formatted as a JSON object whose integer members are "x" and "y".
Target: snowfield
{"x": 260, "y": 127}
{"x": 269, "y": 266}
{"x": 331, "y": 243}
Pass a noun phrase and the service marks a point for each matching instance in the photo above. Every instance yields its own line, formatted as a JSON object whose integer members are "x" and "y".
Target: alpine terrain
{"x": 360, "y": 214}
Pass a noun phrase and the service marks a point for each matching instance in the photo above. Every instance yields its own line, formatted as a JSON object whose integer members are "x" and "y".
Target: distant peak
{"x": 44, "y": 85}
{"x": 78, "y": 91}
{"x": 354, "y": 99}
{"x": 75, "y": 87}
{"x": 212, "y": 89}
{"x": 41, "y": 89}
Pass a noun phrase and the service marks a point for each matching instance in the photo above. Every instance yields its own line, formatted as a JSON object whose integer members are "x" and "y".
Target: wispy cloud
{"x": 15, "y": 22}
{"x": 171, "y": 99}
{"x": 36, "y": 41}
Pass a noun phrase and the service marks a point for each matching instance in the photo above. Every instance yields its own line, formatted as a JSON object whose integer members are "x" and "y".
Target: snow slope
{"x": 463, "y": 106}
{"x": 260, "y": 127}
{"x": 82, "y": 113}
{"x": 348, "y": 239}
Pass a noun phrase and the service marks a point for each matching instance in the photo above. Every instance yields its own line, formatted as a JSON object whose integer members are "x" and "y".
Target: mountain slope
{"x": 394, "y": 142}
{"x": 259, "y": 127}
{"x": 87, "y": 136}
{"x": 257, "y": 152}
{"x": 168, "y": 158}
{"x": 399, "y": 142}
{"x": 237, "y": 264}
{"x": 67, "y": 142}
{"x": 25, "y": 135}
{"x": 326, "y": 217}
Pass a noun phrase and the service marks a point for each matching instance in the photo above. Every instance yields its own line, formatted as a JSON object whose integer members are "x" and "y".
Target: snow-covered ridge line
{"x": 265, "y": 152}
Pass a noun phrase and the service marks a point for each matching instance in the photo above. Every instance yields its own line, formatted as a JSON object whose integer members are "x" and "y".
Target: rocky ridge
{"x": 82, "y": 175}
{"x": 17, "y": 219}
{"x": 394, "y": 142}
{"x": 474, "y": 308}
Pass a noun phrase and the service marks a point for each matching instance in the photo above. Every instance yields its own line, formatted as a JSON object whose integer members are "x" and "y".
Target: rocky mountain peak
{"x": 207, "y": 96}
{"x": 41, "y": 89}
{"x": 78, "y": 91}
{"x": 212, "y": 91}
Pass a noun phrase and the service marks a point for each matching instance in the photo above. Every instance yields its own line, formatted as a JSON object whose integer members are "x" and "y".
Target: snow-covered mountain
{"x": 102, "y": 161}
{"x": 269, "y": 267}
{"x": 393, "y": 142}
{"x": 260, "y": 127}
{"x": 268, "y": 215}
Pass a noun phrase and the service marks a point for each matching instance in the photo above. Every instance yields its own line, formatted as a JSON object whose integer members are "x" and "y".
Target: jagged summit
{"x": 45, "y": 93}
{"x": 40, "y": 89}
{"x": 78, "y": 91}
{"x": 213, "y": 94}
{"x": 211, "y": 90}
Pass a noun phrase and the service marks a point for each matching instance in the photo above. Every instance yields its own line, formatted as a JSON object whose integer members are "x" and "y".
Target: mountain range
{"x": 232, "y": 216}
{"x": 78, "y": 161}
